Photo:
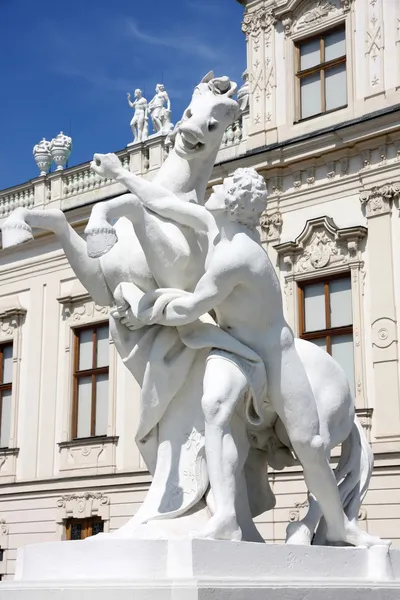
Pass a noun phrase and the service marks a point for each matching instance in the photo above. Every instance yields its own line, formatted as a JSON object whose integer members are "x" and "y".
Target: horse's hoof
{"x": 14, "y": 234}
{"x": 100, "y": 241}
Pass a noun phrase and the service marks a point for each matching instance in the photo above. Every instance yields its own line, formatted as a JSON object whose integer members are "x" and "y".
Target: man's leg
{"x": 224, "y": 386}
{"x": 291, "y": 394}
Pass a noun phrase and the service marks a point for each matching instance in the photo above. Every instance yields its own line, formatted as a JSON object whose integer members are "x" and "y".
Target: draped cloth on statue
{"x": 169, "y": 364}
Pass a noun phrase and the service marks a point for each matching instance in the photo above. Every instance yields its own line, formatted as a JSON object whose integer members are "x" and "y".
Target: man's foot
{"x": 298, "y": 533}
{"x": 357, "y": 537}
{"x": 220, "y": 528}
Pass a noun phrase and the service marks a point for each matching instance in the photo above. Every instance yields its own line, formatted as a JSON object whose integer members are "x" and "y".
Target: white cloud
{"x": 187, "y": 45}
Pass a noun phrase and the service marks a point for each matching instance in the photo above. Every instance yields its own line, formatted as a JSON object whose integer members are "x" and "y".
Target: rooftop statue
{"x": 159, "y": 113}
{"x": 139, "y": 123}
{"x": 197, "y": 317}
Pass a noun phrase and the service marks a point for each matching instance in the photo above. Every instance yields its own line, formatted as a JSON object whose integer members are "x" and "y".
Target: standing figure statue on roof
{"x": 161, "y": 114}
{"x": 139, "y": 123}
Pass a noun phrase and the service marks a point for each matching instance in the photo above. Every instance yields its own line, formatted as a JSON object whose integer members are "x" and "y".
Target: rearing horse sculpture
{"x": 153, "y": 251}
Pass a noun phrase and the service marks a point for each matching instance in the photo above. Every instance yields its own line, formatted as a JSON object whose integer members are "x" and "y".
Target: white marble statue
{"x": 207, "y": 439}
{"x": 239, "y": 283}
{"x": 139, "y": 123}
{"x": 160, "y": 110}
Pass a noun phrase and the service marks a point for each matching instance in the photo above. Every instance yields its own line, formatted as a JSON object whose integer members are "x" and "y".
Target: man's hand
{"x": 106, "y": 165}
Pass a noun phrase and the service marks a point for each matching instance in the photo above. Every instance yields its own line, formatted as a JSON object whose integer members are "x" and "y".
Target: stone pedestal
{"x": 121, "y": 569}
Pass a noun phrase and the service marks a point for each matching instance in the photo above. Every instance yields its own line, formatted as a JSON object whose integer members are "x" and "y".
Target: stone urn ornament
{"x": 60, "y": 148}
{"x": 42, "y": 156}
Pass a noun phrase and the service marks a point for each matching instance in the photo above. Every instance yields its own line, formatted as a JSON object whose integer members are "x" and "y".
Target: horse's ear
{"x": 207, "y": 78}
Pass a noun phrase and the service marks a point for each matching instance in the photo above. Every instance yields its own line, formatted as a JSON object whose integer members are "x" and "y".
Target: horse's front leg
{"x": 18, "y": 229}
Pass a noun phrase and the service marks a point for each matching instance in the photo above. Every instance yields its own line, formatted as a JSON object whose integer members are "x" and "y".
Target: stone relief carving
{"x": 378, "y": 200}
{"x": 84, "y": 505}
{"x": 271, "y": 226}
{"x": 298, "y": 16}
{"x": 254, "y": 22}
{"x": 321, "y": 244}
{"x": 81, "y": 307}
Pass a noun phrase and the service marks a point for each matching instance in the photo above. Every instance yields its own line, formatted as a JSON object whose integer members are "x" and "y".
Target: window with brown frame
{"x": 6, "y": 368}
{"x": 325, "y": 318}
{"x": 80, "y": 529}
{"x": 90, "y": 392}
{"x": 321, "y": 74}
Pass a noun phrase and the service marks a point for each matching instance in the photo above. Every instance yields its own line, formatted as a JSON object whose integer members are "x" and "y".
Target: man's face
{"x": 216, "y": 202}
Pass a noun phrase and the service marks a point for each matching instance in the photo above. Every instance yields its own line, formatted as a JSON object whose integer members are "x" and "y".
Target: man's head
{"x": 160, "y": 87}
{"x": 138, "y": 93}
{"x": 243, "y": 196}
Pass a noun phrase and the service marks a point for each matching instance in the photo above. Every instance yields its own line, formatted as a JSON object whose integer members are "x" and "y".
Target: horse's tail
{"x": 353, "y": 474}
{"x": 354, "y": 470}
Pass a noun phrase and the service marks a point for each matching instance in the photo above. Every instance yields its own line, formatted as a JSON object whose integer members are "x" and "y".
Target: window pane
{"x": 102, "y": 346}
{"x": 7, "y": 364}
{"x": 342, "y": 351}
{"x": 335, "y": 44}
{"x": 76, "y": 531}
{"x": 310, "y": 54}
{"x": 314, "y": 307}
{"x": 101, "y": 404}
{"x": 85, "y": 349}
{"x": 321, "y": 343}
{"x": 84, "y": 407}
{"x": 310, "y": 95}
{"x": 335, "y": 87}
{"x": 340, "y": 302}
{"x": 97, "y": 527}
{"x": 5, "y": 424}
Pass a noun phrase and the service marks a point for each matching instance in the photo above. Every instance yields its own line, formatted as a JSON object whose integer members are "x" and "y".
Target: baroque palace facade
{"x": 322, "y": 126}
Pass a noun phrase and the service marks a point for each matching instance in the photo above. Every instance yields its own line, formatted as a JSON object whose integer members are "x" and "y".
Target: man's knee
{"x": 310, "y": 447}
{"x": 216, "y": 409}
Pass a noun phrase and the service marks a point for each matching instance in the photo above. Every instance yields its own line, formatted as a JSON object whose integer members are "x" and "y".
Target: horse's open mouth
{"x": 188, "y": 144}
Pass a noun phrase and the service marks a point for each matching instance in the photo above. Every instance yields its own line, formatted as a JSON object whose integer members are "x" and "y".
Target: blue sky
{"x": 66, "y": 66}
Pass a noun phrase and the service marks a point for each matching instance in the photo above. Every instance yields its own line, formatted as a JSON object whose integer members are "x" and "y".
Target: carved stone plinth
{"x": 119, "y": 569}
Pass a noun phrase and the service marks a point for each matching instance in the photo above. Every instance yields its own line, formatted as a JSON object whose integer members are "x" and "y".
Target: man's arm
{"x": 155, "y": 197}
{"x": 213, "y": 288}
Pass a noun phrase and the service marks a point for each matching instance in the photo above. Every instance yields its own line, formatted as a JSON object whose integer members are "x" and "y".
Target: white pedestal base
{"x": 121, "y": 569}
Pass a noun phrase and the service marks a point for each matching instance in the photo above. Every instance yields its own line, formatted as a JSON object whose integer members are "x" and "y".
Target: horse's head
{"x": 211, "y": 110}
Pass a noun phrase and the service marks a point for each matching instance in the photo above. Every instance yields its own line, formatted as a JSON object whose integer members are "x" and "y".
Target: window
{"x": 90, "y": 397}
{"x": 321, "y": 74}
{"x": 326, "y": 319}
{"x": 6, "y": 368}
{"x": 79, "y": 529}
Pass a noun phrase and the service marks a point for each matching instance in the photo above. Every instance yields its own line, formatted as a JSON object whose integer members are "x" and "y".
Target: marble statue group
{"x": 159, "y": 109}
{"x": 196, "y": 314}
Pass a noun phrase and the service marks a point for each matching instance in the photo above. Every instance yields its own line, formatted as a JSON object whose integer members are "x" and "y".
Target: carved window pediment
{"x": 79, "y": 307}
{"x": 304, "y": 15}
{"x": 322, "y": 246}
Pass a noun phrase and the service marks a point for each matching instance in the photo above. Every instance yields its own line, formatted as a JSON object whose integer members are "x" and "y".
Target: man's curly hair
{"x": 246, "y": 197}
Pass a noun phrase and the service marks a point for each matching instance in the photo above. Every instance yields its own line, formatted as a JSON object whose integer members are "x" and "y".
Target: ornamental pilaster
{"x": 377, "y": 203}
{"x": 258, "y": 26}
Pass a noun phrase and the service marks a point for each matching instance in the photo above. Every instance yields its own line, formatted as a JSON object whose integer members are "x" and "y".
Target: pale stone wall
{"x": 342, "y": 183}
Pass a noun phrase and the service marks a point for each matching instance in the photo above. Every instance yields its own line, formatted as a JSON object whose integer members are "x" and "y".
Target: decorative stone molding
{"x": 82, "y": 506}
{"x": 323, "y": 248}
{"x": 258, "y": 26}
{"x": 12, "y": 317}
{"x": 81, "y": 308}
{"x": 378, "y": 200}
{"x": 271, "y": 226}
{"x": 97, "y": 455}
{"x": 299, "y": 16}
{"x": 322, "y": 245}
{"x": 365, "y": 417}
{"x": 88, "y": 456}
{"x": 254, "y": 22}
{"x": 374, "y": 47}
{"x": 4, "y": 533}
